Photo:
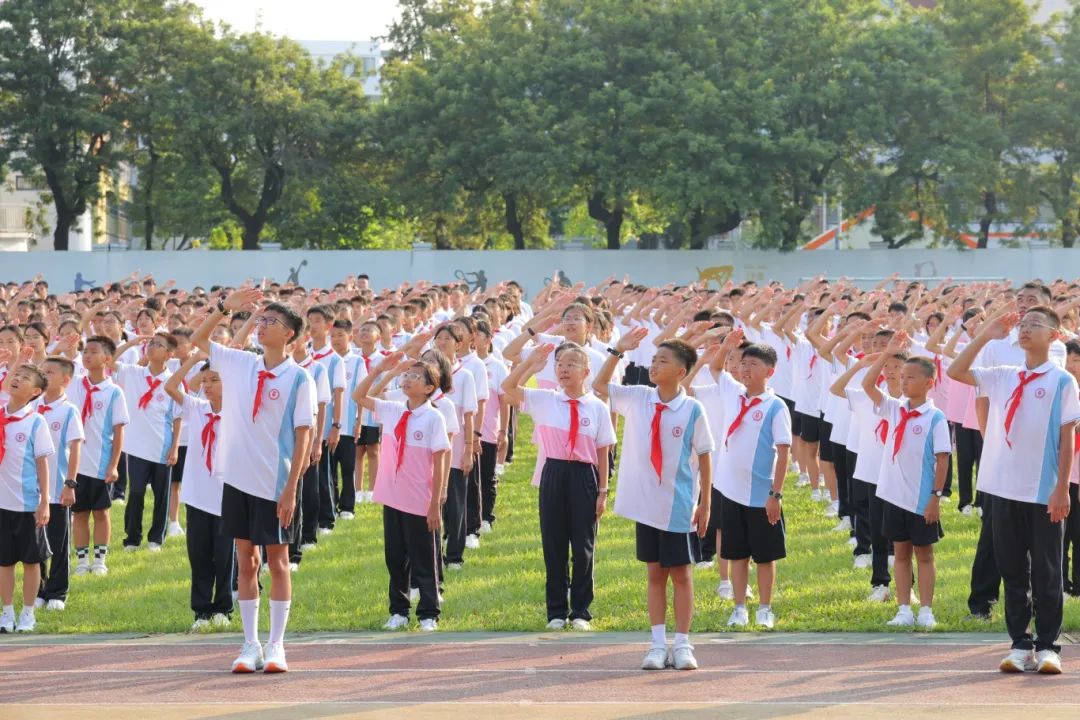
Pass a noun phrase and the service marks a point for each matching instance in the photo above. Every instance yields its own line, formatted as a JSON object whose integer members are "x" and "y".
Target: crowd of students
{"x": 269, "y": 412}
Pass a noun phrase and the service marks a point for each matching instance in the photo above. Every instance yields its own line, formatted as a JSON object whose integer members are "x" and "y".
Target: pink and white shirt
{"x": 408, "y": 488}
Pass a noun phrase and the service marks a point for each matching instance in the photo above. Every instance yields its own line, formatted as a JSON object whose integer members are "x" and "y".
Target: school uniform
{"x": 62, "y": 419}
{"x": 334, "y": 365}
{"x": 750, "y": 430}
{"x": 868, "y": 509}
{"x": 658, "y": 483}
{"x": 343, "y": 459}
{"x": 102, "y": 408}
{"x": 403, "y": 487}
{"x": 370, "y": 431}
{"x": 147, "y": 442}
{"x": 310, "y": 482}
{"x": 260, "y": 411}
{"x": 473, "y": 502}
{"x": 808, "y": 373}
{"x": 916, "y": 436}
{"x": 572, "y": 431}
{"x": 463, "y": 395}
{"x": 496, "y": 372}
{"x": 211, "y": 554}
{"x": 26, "y": 439}
{"x": 1071, "y": 546}
{"x": 1028, "y": 408}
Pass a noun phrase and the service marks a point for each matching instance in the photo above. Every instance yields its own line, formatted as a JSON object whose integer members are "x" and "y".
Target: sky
{"x": 306, "y": 19}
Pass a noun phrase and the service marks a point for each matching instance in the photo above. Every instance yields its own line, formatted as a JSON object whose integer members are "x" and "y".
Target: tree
{"x": 61, "y": 105}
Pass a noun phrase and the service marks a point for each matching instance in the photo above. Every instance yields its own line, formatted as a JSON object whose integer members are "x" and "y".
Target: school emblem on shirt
{"x": 676, "y": 431}
{"x": 1040, "y": 393}
{"x": 20, "y": 437}
{"x": 273, "y": 394}
{"x": 584, "y": 422}
{"x": 418, "y": 436}
{"x": 98, "y": 405}
{"x": 917, "y": 430}
{"x": 56, "y": 426}
{"x": 757, "y": 415}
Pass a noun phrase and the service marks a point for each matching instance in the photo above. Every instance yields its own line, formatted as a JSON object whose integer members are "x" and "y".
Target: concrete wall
{"x": 532, "y": 267}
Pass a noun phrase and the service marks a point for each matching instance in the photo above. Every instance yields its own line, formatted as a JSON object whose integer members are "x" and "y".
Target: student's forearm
{"x": 74, "y": 455}
{"x": 301, "y": 442}
{"x": 1065, "y": 455}
{"x": 603, "y": 378}
{"x": 869, "y": 381}
{"x": 602, "y": 468}
{"x": 43, "y": 479}
{"x": 201, "y": 337}
{"x": 705, "y": 482}
{"x": 782, "y": 453}
{"x": 839, "y": 388}
{"x": 960, "y": 369}
{"x": 941, "y": 469}
{"x": 437, "y": 476}
{"x": 339, "y": 396}
{"x": 118, "y": 446}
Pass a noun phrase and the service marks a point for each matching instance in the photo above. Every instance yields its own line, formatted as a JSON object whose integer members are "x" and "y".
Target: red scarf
{"x": 1014, "y": 401}
{"x": 399, "y": 436}
{"x": 209, "y": 437}
{"x": 744, "y": 407}
{"x": 149, "y": 394}
{"x": 574, "y": 424}
{"x": 88, "y": 401}
{"x": 882, "y": 431}
{"x": 656, "y": 454}
{"x": 6, "y": 420}
{"x": 264, "y": 375}
{"x": 898, "y": 435}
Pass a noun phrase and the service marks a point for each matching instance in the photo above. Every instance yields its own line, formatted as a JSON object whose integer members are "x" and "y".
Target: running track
{"x": 507, "y": 676}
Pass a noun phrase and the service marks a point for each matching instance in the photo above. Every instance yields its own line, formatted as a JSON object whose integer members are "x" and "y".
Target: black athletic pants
{"x": 410, "y": 552}
{"x": 968, "y": 452}
{"x": 212, "y": 557}
{"x": 157, "y": 476}
{"x": 54, "y": 571}
{"x": 568, "y": 493}
{"x": 489, "y": 481}
{"x": 343, "y": 464}
{"x": 1070, "y": 561}
{"x": 454, "y": 516}
{"x": 327, "y": 491}
{"x": 985, "y": 578}
{"x": 473, "y": 501}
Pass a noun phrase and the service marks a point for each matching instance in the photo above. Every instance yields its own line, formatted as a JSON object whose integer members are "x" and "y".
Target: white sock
{"x": 249, "y": 616}
{"x": 659, "y": 636}
{"x": 904, "y": 608}
{"x": 764, "y": 607}
{"x": 681, "y": 639}
{"x": 740, "y": 607}
{"x": 279, "y": 617}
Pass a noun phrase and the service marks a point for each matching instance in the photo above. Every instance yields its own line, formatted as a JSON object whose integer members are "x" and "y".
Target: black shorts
{"x": 715, "y": 517}
{"x": 91, "y": 494}
{"x": 247, "y": 517}
{"x": 746, "y": 533}
{"x": 825, "y": 449}
{"x": 369, "y": 435}
{"x": 809, "y": 427}
{"x": 900, "y": 525}
{"x": 177, "y": 474}
{"x": 670, "y": 549}
{"x": 21, "y": 541}
{"x": 793, "y": 415}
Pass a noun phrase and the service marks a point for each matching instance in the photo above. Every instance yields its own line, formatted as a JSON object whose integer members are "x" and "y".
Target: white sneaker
{"x": 682, "y": 656}
{"x": 220, "y": 620}
{"x": 370, "y": 496}
{"x": 250, "y": 658}
{"x": 926, "y": 618}
{"x": 803, "y": 480}
{"x": 765, "y": 618}
{"x": 978, "y": 511}
{"x": 863, "y": 561}
{"x": 346, "y": 515}
{"x": 27, "y": 621}
{"x": 892, "y": 561}
{"x": 294, "y": 567}
{"x": 739, "y": 618}
{"x": 7, "y": 621}
{"x": 967, "y": 510}
{"x": 879, "y": 594}
{"x": 274, "y": 652}
{"x": 725, "y": 591}
{"x": 199, "y": 624}
{"x": 472, "y": 542}
{"x": 655, "y": 659}
{"x": 153, "y": 547}
{"x": 705, "y": 564}
{"x": 414, "y": 595}
{"x": 82, "y": 566}
{"x": 499, "y": 470}
{"x": 396, "y": 622}
{"x": 454, "y": 566}
{"x": 1047, "y": 662}
{"x": 485, "y": 528}
{"x": 55, "y": 605}
{"x": 429, "y": 625}
{"x": 323, "y": 532}
{"x": 825, "y": 496}
{"x": 307, "y": 547}
{"x": 580, "y": 624}
{"x": 815, "y": 495}
{"x": 360, "y": 497}
{"x": 119, "y": 501}
{"x": 99, "y": 567}
{"x": 556, "y": 624}
{"x": 1018, "y": 661}
{"x": 852, "y": 542}
{"x": 175, "y": 530}
{"x": 39, "y": 603}
{"x": 903, "y": 618}
{"x": 833, "y": 510}
{"x": 131, "y": 548}
{"x": 843, "y": 526}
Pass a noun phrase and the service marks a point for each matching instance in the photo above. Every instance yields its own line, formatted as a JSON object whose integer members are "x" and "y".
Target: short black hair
{"x": 63, "y": 363}
{"x": 106, "y": 344}
{"x": 683, "y": 351}
{"x": 323, "y": 310}
{"x": 343, "y": 324}
{"x": 762, "y": 352}
{"x": 925, "y": 364}
{"x": 292, "y": 321}
{"x": 1072, "y": 347}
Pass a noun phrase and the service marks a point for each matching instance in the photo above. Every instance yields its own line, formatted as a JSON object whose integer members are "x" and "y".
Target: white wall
{"x": 532, "y": 267}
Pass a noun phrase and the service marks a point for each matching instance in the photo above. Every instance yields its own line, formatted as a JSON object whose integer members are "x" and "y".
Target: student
{"x": 409, "y": 487}
{"x": 310, "y": 482}
{"x": 575, "y": 429}
{"x": 103, "y": 412}
{"x": 182, "y": 335}
{"x": 152, "y": 443}
{"x": 470, "y": 362}
{"x": 211, "y": 553}
{"x": 343, "y": 458}
{"x": 367, "y": 441}
{"x": 320, "y": 320}
{"x": 266, "y": 431}
{"x": 493, "y": 430}
{"x": 1031, "y": 407}
{"x": 66, "y": 432}
{"x": 664, "y": 429}
{"x": 25, "y": 446}
{"x": 749, "y": 474}
{"x": 912, "y": 477}
{"x": 1071, "y": 555}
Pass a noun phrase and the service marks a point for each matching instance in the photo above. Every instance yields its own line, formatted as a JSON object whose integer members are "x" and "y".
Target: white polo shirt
{"x": 550, "y": 411}
{"x": 355, "y": 371}
{"x": 150, "y": 434}
{"x": 256, "y": 453}
{"x": 463, "y": 395}
{"x": 807, "y": 374}
{"x": 62, "y": 419}
{"x": 335, "y": 377}
{"x": 319, "y": 376}
{"x": 476, "y": 367}
{"x": 745, "y": 461}
{"x": 870, "y": 444}
{"x": 1026, "y": 471}
{"x": 408, "y": 488}
{"x": 667, "y": 502}
{"x": 546, "y": 378}
{"x": 780, "y": 382}
{"x": 25, "y": 440}
{"x": 202, "y": 486}
{"x": 907, "y": 480}
{"x": 108, "y": 409}
{"x": 497, "y": 372}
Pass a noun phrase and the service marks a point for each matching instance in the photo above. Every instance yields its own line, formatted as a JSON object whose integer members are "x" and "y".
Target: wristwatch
{"x": 222, "y": 309}
{"x": 71, "y": 484}
{"x": 774, "y": 494}
{"x": 615, "y": 352}
{"x": 336, "y": 426}
{"x": 939, "y": 493}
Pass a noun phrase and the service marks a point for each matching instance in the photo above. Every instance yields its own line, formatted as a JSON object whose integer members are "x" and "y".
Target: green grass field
{"x": 342, "y": 584}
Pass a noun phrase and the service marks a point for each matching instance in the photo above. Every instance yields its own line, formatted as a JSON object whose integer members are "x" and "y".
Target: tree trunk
{"x": 990, "y": 204}
{"x": 148, "y": 205}
{"x": 696, "y": 230}
{"x": 249, "y": 240}
{"x": 513, "y": 220}
{"x": 60, "y": 234}
{"x": 612, "y": 219}
{"x": 442, "y": 238}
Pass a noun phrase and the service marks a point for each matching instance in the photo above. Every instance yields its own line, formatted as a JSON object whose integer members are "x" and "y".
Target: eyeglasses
{"x": 1029, "y": 324}
{"x": 416, "y": 375}
{"x": 569, "y": 366}
{"x": 268, "y": 320}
